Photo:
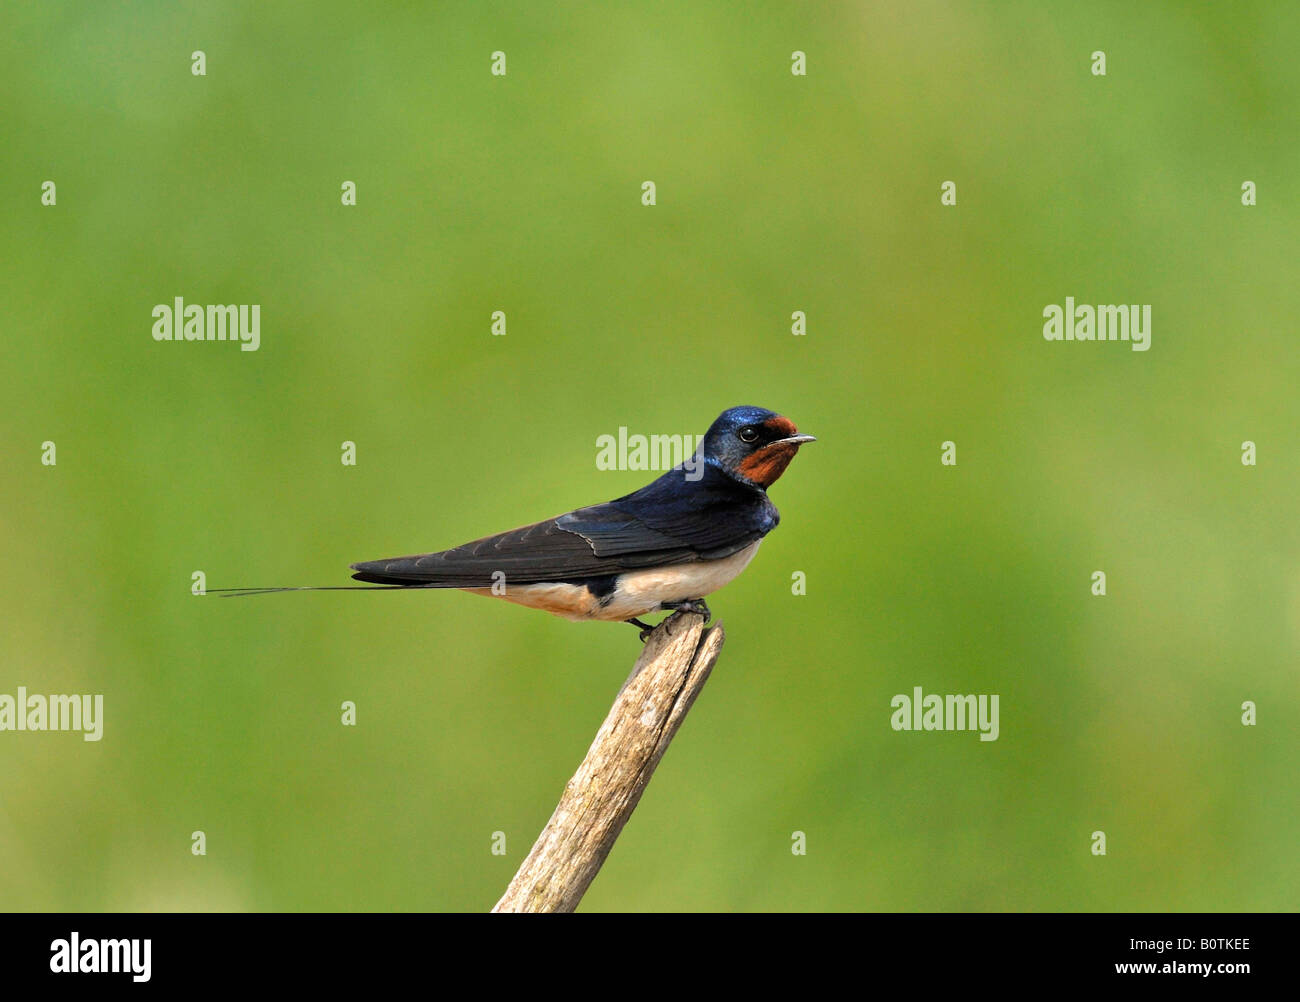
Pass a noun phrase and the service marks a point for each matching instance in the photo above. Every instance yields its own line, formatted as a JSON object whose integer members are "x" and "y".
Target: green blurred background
{"x": 776, "y": 193}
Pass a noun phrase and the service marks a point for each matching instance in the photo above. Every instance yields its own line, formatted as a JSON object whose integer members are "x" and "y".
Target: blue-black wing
{"x": 671, "y": 521}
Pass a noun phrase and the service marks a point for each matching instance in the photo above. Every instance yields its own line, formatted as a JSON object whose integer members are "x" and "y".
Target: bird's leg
{"x": 644, "y": 627}
{"x": 695, "y": 605}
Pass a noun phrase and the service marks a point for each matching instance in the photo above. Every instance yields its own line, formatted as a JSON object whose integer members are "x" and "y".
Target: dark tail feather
{"x": 241, "y": 592}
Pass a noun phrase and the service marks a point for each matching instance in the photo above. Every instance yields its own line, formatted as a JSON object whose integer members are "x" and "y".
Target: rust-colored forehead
{"x": 783, "y": 426}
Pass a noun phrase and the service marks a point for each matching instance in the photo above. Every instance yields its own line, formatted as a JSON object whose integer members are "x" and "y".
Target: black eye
{"x": 748, "y": 435}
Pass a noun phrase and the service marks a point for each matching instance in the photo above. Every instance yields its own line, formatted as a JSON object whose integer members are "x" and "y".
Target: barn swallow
{"x": 661, "y": 548}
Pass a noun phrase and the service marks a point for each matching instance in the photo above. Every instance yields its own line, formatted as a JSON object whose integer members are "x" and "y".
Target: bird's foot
{"x": 645, "y": 628}
{"x": 695, "y": 605}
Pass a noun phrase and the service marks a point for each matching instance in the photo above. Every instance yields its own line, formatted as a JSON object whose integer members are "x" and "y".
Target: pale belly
{"x": 636, "y": 593}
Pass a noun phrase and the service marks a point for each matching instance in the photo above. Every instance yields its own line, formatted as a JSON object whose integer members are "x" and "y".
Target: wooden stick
{"x": 598, "y": 800}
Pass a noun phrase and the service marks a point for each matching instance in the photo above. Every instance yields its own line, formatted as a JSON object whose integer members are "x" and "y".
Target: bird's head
{"x": 752, "y": 444}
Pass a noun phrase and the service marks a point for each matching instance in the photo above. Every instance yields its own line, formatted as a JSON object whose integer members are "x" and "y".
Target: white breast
{"x": 636, "y": 593}
{"x": 641, "y": 592}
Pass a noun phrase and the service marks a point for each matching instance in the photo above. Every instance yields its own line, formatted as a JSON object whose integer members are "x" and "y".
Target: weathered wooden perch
{"x": 598, "y": 800}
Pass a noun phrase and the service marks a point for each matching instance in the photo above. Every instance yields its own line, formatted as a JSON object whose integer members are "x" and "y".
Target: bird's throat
{"x": 765, "y": 466}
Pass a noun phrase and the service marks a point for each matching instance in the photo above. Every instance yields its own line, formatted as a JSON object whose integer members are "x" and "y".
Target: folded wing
{"x": 592, "y": 542}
